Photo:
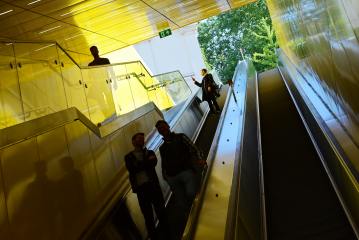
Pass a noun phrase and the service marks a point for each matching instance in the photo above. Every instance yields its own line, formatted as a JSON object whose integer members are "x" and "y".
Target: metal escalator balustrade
{"x": 124, "y": 218}
{"x": 67, "y": 175}
{"x": 59, "y": 171}
{"x": 331, "y": 132}
{"x": 302, "y": 198}
{"x": 208, "y": 217}
{"x": 301, "y": 202}
{"x": 42, "y": 76}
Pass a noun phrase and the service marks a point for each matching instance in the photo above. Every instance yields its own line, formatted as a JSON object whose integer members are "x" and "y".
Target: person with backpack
{"x": 182, "y": 165}
{"x": 210, "y": 90}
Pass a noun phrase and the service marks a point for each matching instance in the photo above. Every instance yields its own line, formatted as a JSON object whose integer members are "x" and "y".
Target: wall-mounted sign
{"x": 165, "y": 33}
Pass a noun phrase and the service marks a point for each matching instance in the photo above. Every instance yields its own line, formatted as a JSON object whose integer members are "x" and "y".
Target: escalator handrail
{"x": 196, "y": 206}
{"x": 36, "y": 127}
{"x": 249, "y": 152}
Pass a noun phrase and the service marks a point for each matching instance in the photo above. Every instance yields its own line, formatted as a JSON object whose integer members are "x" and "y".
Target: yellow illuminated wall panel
{"x": 321, "y": 38}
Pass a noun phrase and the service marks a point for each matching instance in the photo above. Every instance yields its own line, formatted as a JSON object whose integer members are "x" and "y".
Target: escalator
{"x": 301, "y": 202}
{"x": 203, "y": 141}
{"x": 122, "y": 224}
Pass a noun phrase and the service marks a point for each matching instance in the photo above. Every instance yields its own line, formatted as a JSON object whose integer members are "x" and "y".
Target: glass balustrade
{"x": 41, "y": 78}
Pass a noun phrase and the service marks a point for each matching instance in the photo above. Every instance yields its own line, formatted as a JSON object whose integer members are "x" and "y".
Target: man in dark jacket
{"x": 209, "y": 88}
{"x": 182, "y": 165}
{"x": 141, "y": 165}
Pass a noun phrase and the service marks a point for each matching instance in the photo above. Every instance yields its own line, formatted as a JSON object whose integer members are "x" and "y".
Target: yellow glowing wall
{"x": 321, "y": 38}
{"x": 320, "y": 42}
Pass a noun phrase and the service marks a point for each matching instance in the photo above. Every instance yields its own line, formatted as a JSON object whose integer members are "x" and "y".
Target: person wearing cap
{"x": 141, "y": 164}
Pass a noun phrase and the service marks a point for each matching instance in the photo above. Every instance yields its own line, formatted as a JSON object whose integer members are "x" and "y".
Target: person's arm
{"x": 197, "y": 83}
{"x": 129, "y": 163}
{"x": 151, "y": 159}
{"x": 163, "y": 166}
{"x": 195, "y": 152}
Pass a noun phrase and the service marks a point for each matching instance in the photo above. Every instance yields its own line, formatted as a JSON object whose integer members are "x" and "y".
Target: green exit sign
{"x": 165, "y": 33}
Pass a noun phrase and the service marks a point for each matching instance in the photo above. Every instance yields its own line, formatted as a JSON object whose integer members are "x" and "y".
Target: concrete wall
{"x": 180, "y": 51}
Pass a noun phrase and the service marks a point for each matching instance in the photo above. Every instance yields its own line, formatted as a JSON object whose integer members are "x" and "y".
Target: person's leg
{"x": 158, "y": 203}
{"x": 159, "y": 206}
{"x": 215, "y": 103}
{"x": 210, "y": 106}
{"x": 190, "y": 182}
{"x": 178, "y": 191}
{"x": 146, "y": 209}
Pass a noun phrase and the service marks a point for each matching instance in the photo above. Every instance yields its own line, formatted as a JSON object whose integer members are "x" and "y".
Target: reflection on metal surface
{"x": 212, "y": 218}
{"x": 321, "y": 42}
{"x": 111, "y": 24}
{"x": 331, "y": 154}
{"x": 247, "y": 218}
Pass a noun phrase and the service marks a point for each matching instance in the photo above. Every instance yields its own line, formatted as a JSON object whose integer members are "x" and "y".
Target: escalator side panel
{"x": 300, "y": 201}
{"x": 126, "y": 219}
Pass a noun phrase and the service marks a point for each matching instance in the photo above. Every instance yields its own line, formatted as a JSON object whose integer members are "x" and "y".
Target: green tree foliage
{"x": 268, "y": 58}
{"x": 221, "y": 38}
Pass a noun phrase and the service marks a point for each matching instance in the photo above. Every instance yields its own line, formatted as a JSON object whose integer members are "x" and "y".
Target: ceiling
{"x": 109, "y": 24}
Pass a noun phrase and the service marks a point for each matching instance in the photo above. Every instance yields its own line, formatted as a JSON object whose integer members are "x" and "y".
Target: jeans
{"x": 184, "y": 187}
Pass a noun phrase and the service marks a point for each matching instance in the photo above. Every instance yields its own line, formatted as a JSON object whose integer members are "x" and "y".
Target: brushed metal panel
{"x": 78, "y": 141}
{"x": 4, "y": 223}
{"x": 29, "y": 191}
{"x": 104, "y": 163}
{"x": 187, "y": 124}
{"x": 321, "y": 40}
{"x": 150, "y": 121}
{"x": 22, "y": 23}
{"x": 11, "y": 111}
{"x": 120, "y": 146}
{"x": 61, "y": 10}
{"x": 52, "y": 147}
{"x": 213, "y": 214}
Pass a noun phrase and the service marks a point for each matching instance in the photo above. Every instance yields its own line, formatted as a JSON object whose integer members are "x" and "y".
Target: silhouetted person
{"x": 97, "y": 59}
{"x": 182, "y": 163}
{"x": 141, "y": 165}
{"x": 72, "y": 203}
{"x": 209, "y": 89}
{"x": 38, "y": 215}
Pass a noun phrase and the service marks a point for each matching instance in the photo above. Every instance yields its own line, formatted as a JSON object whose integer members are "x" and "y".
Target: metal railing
{"x": 39, "y": 74}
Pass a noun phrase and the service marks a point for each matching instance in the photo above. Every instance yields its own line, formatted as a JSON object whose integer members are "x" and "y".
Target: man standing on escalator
{"x": 182, "y": 165}
{"x": 209, "y": 90}
{"x": 141, "y": 164}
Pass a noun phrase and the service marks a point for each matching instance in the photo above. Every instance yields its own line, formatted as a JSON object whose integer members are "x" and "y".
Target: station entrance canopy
{"x": 110, "y": 24}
